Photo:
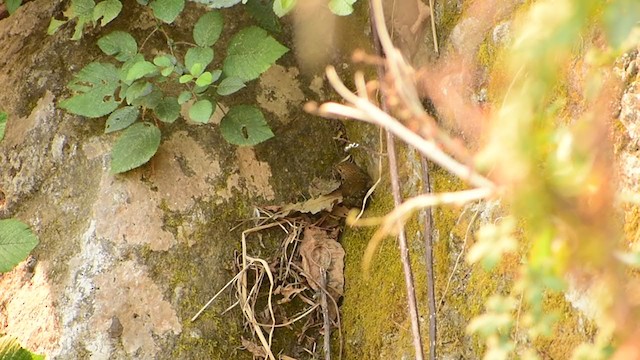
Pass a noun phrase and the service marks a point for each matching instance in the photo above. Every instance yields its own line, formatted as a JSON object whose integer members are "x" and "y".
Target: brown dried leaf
{"x": 320, "y": 252}
{"x": 313, "y": 206}
{"x": 253, "y": 348}
{"x": 288, "y": 292}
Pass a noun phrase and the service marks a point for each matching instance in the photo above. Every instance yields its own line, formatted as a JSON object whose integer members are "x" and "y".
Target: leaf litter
{"x": 306, "y": 272}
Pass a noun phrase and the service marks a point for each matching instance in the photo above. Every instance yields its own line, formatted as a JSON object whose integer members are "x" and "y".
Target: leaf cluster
{"x": 283, "y": 7}
{"x": 338, "y": 7}
{"x": 142, "y": 88}
{"x": 551, "y": 167}
{"x": 87, "y": 12}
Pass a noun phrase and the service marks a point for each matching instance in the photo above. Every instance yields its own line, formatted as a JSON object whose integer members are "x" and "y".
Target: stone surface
{"x": 125, "y": 261}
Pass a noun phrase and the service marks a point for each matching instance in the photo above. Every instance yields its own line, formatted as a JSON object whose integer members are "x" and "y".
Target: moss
{"x": 447, "y": 16}
{"x": 373, "y": 310}
{"x": 568, "y": 332}
{"x": 191, "y": 275}
{"x": 466, "y": 294}
{"x": 487, "y": 53}
{"x": 632, "y": 225}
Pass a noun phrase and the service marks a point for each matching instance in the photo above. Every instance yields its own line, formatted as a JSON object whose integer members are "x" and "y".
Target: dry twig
{"x": 428, "y": 248}
{"x": 404, "y": 252}
{"x": 366, "y": 111}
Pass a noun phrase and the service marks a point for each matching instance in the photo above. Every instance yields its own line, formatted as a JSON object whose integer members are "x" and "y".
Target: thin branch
{"x": 361, "y": 85}
{"x": 404, "y": 251}
{"x": 433, "y": 26}
{"x": 428, "y": 248}
{"x": 333, "y": 301}
{"x": 325, "y": 315}
{"x": 364, "y": 110}
{"x": 380, "y": 31}
{"x": 392, "y": 222}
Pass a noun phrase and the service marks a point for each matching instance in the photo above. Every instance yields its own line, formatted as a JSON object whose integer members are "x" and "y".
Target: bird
{"x": 355, "y": 183}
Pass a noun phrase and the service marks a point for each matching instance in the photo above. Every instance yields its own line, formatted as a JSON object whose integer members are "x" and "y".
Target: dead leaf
{"x": 320, "y": 252}
{"x": 253, "y": 348}
{"x": 313, "y": 206}
{"x": 288, "y": 292}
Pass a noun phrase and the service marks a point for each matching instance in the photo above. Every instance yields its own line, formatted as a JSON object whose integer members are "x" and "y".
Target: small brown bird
{"x": 355, "y": 183}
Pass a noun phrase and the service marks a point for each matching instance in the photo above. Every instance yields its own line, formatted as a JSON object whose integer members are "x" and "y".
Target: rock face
{"x": 125, "y": 261}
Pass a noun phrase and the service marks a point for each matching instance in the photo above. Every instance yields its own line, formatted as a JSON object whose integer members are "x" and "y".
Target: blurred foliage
{"x": 10, "y": 349}
{"x": 557, "y": 172}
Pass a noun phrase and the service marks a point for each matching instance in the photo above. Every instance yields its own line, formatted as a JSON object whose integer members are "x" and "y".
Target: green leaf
{"x": 77, "y": 32}
{"x": 121, "y": 119}
{"x": 282, "y": 7}
{"x": 124, "y": 69}
{"x": 251, "y": 52}
{"x": 119, "y": 44}
{"x": 198, "y": 55}
{"x": 218, "y": 4}
{"x": 201, "y": 111}
{"x": 164, "y": 60}
{"x": 151, "y": 100}
{"x": 208, "y": 28}
{"x": 16, "y": 242}
{"x": 245, "y": 125}
{"x": 167, "y": 10}
{"x": 185, "y": 78}
{"x": 96, "y": 83}
{"x": 184, "y": 97}
{"x": 107, "y": 10}
{"x": 13, "y": 5}
{"x": 54, "y": 25}
{"x": 82, "y": 11}
{"x": 263, "y": 13}
{"x": 196, "y": 69}
{"x": 81, "y": 8}
{"x": 166, "y": 71}
{"x": 205, "y": 79}
{"x": 10, "y": 349}
{"x": 230, "y": 85}
{"x": 3, "y": 123}
{"x": 341, "y": 7}
{"x": 85, "y": 17}
{"x": 137, "y": 90}
{"x": 199, "y": 90}
{"x": 140, "y": 70}
{"x": 216, "y": 75}
{"x": 168, "y": 110}
{"x": 138, "y": 143}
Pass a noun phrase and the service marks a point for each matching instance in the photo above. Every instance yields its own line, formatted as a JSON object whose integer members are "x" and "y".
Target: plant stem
{"x": 397, "y": 197}
{"x": 404, "y": 251}
{"x": 428, "y": 247}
